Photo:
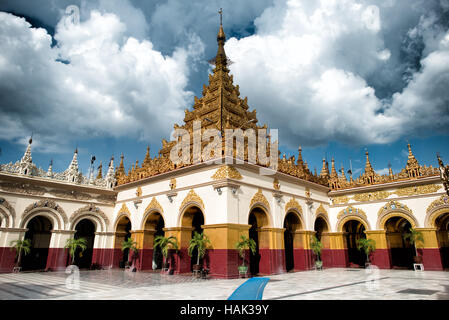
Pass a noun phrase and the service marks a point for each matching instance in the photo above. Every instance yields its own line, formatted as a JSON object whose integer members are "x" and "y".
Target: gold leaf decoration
{"x": 393, "y": 206}
{"x": 154, "y": 204}
{"x": 351, "y": 211}
{"x": 321, "y": 210}
{"x": 192, "y": 197}
{"x": 227, "y": 172}
{"x": 442, "y": 201}
{"x": 124, "y": 209}
{"x": 425, "y": 189}
{"x": 259, "y": 198}
{"x": 138, "y": 191}
{"x": 276, "y": 184}
{"x": 340, "y": 200}
{"x": 371, "y": 196}
{"x": 172, "y": 184}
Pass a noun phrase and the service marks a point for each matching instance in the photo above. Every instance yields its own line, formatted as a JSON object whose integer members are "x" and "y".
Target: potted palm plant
{"x": 165, "y": 243}
{"x": 199, "y": 242}
{"x": 316, "y": 247}
{"x": 368, "y": 246}
{"x": 21, "y": 246}
{"x": 132, "y": 247}
{"x": 244, "y": 244}
{"x": 416, "y": 238}
{"x": 73, "y": 245}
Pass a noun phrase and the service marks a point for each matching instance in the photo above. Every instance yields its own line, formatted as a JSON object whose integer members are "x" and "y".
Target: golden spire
{"x": 333, "y": 171}
{"x": 324, "y": 170}
{"x": 300, "y": 161}
{"x": 221, "y": 59}
{"x": 147, "y": 157}
{"x": 121, "y": 168}
{"x": 412, "y": 166}
{"x": 368, "y": 167}
{"x": 100, "y": 173}
{"x": 343, "y": 176}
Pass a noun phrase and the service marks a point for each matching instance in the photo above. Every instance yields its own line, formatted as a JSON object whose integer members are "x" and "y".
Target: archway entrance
{"x": 291, "y": 224}
{"x": 320, "y": 227}
{"x": 442, "y": 224}
{"x": 401, "y": 250}
{"x": 85, "y": 229}
{"x": 354, "y": 230}
{"x": 155, "y": 222}
{"x": 257, "y": 219}
{"x": 39, "y": 233}
{"x": 123, "y": 233}
{"x": 193, "y": 217}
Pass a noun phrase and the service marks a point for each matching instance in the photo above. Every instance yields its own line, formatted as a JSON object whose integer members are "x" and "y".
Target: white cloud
{"x": 114, "y": 85}
{"x": 306, "y": 67}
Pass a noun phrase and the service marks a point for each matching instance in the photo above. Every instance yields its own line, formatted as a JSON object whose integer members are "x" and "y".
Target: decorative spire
{"x": 368, "y": 167}
{"x": 147, "y": 159}
{"x": 343, "y": 176}
{"x": 324, "y": 170}
{"x": 221, "y": 59}
{"x": 333, "y": 171}
{"x": 390, "y": 171}
{"x": 110, "y": 179}
{"x": 121, "y": 168}
{"x": 412, "y": 166}
{"x": 300, "y": 161}
{"x": 26, "y": 163}
{"x": 100, "y": 171}
{"x": 73, "y": 170}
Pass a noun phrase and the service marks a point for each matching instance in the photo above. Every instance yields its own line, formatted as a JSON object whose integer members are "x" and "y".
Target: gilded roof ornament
{"x": 192, "y": 197}
{"x": 227, "y": 172}
{"x": 293, "y": 204}
{"x": 259, "y": 198}
{"x": 154, "y": 205}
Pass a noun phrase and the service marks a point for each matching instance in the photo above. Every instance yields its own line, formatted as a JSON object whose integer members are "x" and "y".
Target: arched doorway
{"x": 123, "y": 233}
{"x": 354, "y": 230}
{"x": 442, "y": 225}
{"x": 320, "y": 227}
{"x": 85, "y": 229}
{"x": 257, "y": 219}
{"x": 39, "y": 233}
{"x": 401, "y": 250}
{"x": 155, "y": 223}
{"x": 291, "y": 224}
{"x": 193, "y": 217}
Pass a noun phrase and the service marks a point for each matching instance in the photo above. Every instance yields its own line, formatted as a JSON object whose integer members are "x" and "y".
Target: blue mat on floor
{"x": 251, "y": 289}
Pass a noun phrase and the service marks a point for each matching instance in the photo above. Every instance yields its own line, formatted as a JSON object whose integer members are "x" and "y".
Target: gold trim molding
{"x": 293, "y": 204}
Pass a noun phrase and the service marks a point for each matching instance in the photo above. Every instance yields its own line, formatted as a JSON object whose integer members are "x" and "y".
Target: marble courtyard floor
{"x": 329, "y": 284}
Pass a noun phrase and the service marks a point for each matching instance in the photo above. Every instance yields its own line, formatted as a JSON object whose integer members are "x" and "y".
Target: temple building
{"x": 280, "y": 211}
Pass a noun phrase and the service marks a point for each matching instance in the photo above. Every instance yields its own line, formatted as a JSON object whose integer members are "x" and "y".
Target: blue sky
{"x": 335, "y": 77}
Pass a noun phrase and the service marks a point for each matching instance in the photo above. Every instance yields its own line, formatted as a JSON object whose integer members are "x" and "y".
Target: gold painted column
{"x": 271, "y": 250}
{"x": 430, "y": 249}
{"x": 181, "y": 259}
{"x": 303, "y": 255}
{"x": 144, "y": 240}
{"x": 381, "y": 256}
{"x": 334, "y": 251}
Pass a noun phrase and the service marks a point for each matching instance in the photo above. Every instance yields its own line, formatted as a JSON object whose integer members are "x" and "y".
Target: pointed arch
{"x": 395, "y": 209}
{"x": 351, "y": 213}
{"x": 153, "y": 207}
{"x": 435, "y": 209}
{"x": 93, "y": 213}
{"x": 48, "y": 208}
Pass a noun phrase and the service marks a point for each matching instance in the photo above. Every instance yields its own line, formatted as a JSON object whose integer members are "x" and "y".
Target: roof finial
{"x": 221, "y": 16}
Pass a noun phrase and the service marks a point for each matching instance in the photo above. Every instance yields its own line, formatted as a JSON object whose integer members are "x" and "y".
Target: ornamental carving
{"x": 192, "y": 197}
{"x": 394, "y": 206}
{"x": 139, "y": 191}
{"x": 293, "y": 204}
{"x": 124, "y": 209}
{"x": 371, "y": 196}
{"x": 24, "y": 188}
{"x": 154, "y": 205}
{"x": 340, "y": 200}
{"x": 409, "y": 191}
{"x": 351, "y": 211}
{"x": 276, "y": 184}
{"x": 441, "y": 202}
{"x": 227, "y": 172}
{"x": 70, "y": 194}
{"x": 43, "y": 204}
{"x": 172, "y": 184}
{"x": 321, "y": 210}
{"x": 89, "y": 209}
{"x": 434, "y": 210}
{"x": 5, "y": 204}
{"x": 259, "y": 198}
{"x": 106, "y": 198}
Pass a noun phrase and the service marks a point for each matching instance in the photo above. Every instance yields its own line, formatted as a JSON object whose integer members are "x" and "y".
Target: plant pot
{"x": 196, "y": 267}
{"x": 318, "y": 264}
{"x": 417, "y": 259}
